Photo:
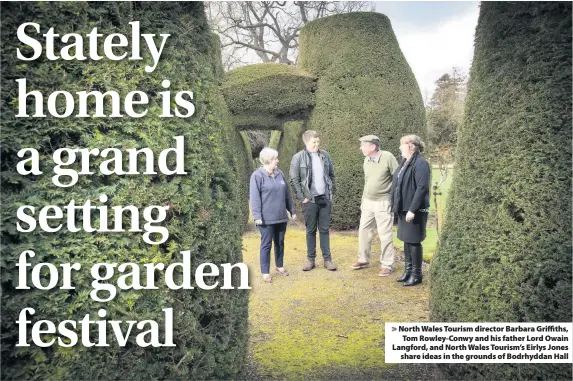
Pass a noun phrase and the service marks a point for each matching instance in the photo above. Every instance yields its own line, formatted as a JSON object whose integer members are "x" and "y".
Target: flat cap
{"x": 370, "y": 139}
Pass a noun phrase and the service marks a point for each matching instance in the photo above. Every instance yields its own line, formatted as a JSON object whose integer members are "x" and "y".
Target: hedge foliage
{"x": 505, "y": 252}
{"x": 289, "y": 144}
{"x": 210, "y": 327}
{"x": 365, "y": 86}
{"x": 237, "y": 147}
{"x": 275, "y": 139}
{"x": 264, "y": 96}
{"x": 259, "y": 122}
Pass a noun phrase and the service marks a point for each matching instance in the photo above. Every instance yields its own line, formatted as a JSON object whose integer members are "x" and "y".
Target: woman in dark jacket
{"x": 411, "y": 203}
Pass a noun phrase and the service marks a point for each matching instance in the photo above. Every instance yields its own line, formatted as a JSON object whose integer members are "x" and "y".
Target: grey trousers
{"x": 317, "y": 215}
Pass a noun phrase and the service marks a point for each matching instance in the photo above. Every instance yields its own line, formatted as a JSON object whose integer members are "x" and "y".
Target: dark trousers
{"x": 317, "y": 214}
{"x": 270, "y": 233}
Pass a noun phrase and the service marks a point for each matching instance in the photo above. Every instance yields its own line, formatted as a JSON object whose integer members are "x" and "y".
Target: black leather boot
{"x": 407, "y": 264}
{"x": 416, "y": 274}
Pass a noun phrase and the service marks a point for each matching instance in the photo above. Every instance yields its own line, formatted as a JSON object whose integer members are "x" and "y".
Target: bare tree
{"x": 267, "y": 31}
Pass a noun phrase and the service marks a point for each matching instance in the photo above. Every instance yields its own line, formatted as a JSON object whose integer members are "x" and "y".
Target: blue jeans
{"x": 270, "y": 233}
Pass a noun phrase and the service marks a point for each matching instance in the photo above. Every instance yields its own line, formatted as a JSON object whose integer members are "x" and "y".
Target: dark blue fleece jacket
{"x": 270, "y": 197}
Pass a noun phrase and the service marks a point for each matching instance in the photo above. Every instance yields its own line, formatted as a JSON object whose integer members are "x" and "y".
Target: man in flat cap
{"x": 379, "y": 167}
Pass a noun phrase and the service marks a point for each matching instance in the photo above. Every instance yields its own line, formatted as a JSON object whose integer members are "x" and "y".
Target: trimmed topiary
{"x": 505, "y": 252}
{"x": 275, "y": 139}
{"x": 210, "y": 326}
{"x": 237, "y": 149}
{"x": 259, "y": 122}
{"x": 365, "y": 86}
{"x": 290, "y": 143}
{"x": 264, "y": 96}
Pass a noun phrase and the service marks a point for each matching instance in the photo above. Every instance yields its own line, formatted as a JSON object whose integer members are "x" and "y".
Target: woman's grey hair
{"x": 267, "y": 155}
{"x": 417, "y": 142}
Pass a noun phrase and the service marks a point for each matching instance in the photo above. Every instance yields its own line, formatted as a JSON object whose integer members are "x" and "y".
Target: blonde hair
{"x": 309, "y": 134}
{"x": 267, "y": 155}
{"x": 416, "y": 141}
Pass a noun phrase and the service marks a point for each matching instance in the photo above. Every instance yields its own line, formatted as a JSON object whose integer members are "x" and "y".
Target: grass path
{"x": 322, "y": 324}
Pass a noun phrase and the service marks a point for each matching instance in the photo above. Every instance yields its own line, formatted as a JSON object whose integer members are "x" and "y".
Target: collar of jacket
{"x": 320, "y": 153}
{"x": 274, "y": 174}
{"x": 413, "y": 158}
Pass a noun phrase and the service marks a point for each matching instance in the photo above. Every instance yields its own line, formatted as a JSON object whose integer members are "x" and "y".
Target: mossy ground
{"x": 310, "y": 322}
{"x": 330, "y": 325}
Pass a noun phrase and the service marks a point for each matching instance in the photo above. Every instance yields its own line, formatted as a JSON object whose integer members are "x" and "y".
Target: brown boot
{"x": 309, "y": 265}
{"x": 329, "y": 265}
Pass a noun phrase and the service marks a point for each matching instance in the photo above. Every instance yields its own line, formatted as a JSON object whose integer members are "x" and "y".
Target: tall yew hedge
{"x": 210, "y": 327}
{"x": 365, "y": 86}
{"x": 505, "y": 252}
{"x": 235, "y": 142}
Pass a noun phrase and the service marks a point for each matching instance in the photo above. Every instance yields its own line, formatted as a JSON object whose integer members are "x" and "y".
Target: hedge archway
{"x": 359, "y": 84}
{"x": 265, "y": 96}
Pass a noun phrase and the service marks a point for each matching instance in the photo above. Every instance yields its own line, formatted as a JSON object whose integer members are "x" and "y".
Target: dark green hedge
{"x": 505, "y": 251}
{"x": 275, "y": 139}
{"x": 365, "y": 86}
{"x": 289, "y": 144}
{"x": 210, "y": 326}
{"x": 264, "y": 96}
{"x": 259, "y": 121}
{"x": 245, "y": 139}
{"x": 237, "y": 149}
{"x": 239, "y": 155}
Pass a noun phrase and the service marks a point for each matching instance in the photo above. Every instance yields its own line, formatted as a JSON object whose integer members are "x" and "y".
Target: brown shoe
{"x": 385, "y": 271}
{"x": 359, "y": 265}
{"x": 329, "y": 265}
{"x": 309, "y": 265}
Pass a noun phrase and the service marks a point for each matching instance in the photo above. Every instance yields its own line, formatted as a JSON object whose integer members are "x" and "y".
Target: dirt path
{"x": 327, "y": 325}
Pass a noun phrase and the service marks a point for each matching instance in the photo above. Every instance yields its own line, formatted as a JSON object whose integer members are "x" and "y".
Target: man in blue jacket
{"x": 312, "y": 180}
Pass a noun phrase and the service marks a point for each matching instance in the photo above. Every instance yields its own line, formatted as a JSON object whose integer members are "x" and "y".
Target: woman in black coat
{"x": 411, "y": 203}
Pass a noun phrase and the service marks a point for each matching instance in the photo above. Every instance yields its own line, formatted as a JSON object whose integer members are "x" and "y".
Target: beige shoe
{"x": 282, "y": 271}
{"x": 359, "y": 265}
{"x": 385, "y": 271}
{"x": 267, "y": 278}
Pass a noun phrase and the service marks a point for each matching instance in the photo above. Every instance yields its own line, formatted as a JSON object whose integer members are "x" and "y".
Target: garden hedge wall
{"x": 237, "y": 148}
{"x": 210, "y": 326}
{"x": 505, "y": 252}
{"x": 275, "y": 139}
{"x": 290, "y": 143}
{"x": 365, "y": 86}
{"x": 264, "y": 96}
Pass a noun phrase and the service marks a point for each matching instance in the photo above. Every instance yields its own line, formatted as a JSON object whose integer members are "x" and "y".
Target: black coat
{"x": 411, "y": 192}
